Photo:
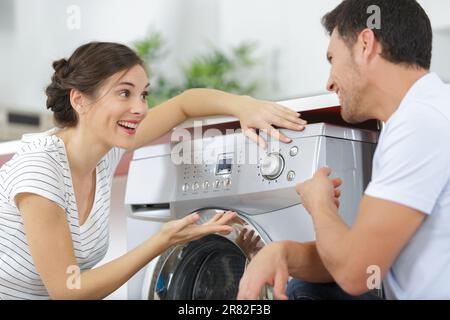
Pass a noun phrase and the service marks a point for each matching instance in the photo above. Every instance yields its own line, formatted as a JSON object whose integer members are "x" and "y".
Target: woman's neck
{"x": 83, "y": 149}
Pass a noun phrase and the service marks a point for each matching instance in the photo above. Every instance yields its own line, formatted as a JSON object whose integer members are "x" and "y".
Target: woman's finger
{"x": 227, "y": 218}
{"x": 188, "y": 220}
{"x": 271, "y": 131}
{"x": 290, "y": 116}
{"x": 286, "y": 124}
{"x": 251, "y": 134}
{"x": 287, "y": 110}
{"x": 210, "y": 229}
{"x": 216, "y": 217}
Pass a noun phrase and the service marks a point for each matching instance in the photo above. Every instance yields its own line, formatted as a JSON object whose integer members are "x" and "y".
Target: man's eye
{"x": 124, "y": 93}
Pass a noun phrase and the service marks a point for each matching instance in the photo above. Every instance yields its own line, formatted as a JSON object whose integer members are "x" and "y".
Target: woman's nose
{"x": 140, "y": 108}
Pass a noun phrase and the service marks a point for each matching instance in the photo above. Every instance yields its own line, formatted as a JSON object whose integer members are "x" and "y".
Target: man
{"x": 402, "y": 231}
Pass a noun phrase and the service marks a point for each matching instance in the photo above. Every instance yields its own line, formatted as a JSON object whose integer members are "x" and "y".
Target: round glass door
{"x": 209, "y": 268}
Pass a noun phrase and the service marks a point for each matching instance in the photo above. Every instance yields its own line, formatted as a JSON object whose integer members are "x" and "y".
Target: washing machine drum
{"x": 209, "y": 268}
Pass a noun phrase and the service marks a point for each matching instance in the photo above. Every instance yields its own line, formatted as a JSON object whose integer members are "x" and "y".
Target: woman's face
{"x": 120, "y": 107}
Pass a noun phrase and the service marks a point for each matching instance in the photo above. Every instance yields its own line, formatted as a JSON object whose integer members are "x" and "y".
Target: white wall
{"x": 41, "y": 35}
{"x": 291, "y": 38}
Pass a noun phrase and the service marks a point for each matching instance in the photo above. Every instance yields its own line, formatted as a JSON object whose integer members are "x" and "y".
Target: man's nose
{"x": 331, "y": 85}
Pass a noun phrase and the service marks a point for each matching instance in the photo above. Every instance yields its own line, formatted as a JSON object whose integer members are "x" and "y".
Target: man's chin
{"x": 351, "y": 119}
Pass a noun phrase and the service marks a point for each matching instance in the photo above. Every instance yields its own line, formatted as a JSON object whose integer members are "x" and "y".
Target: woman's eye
{"x": 144, "y": 95}
{"x": 124, "y": 93}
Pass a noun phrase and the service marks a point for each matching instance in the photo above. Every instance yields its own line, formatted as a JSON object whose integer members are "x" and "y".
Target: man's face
{"x": 346, "y": 80}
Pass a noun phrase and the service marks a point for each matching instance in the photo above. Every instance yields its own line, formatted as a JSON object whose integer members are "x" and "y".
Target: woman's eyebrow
{"x": 126, "y": 83}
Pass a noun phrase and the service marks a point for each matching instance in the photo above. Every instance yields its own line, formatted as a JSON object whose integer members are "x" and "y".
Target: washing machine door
{"x": 209, "y": 268}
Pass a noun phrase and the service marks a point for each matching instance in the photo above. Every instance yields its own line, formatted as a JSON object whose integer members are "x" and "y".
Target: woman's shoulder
{"x": 42, "y": 148}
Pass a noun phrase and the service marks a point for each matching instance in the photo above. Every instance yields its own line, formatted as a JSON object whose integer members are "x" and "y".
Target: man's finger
{"x": 324, "y": 171}
{"x": 337, "y": 182}
{"x": 279, "y": 288}
{"x": 247, "y": 292}
{"x": 337, "y": 202}
{"x": 337, "y": 193}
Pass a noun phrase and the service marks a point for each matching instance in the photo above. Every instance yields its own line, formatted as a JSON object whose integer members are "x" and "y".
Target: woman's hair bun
{"x": 59, "y": 65}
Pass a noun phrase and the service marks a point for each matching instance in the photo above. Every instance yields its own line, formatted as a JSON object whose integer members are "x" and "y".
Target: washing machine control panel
{"x": 219, "y": 170}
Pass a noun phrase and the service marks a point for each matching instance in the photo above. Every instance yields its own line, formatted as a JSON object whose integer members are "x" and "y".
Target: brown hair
{"x": 86, "y": 70}
{"x": 405, "y": 34}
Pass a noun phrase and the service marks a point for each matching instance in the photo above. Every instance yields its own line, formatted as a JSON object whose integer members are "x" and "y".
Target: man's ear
{"x": 77, "y": 101}
{"x": 368, "y": 45}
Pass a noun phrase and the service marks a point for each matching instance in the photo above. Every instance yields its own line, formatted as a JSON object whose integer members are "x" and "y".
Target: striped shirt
{"x": 41, "y": 167}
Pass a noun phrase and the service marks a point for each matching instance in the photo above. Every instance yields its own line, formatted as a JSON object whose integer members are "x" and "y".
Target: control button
{"x": 291, "y": 175}
{"x": 195, "y": 186}
{"x": 272, "y": 166}
{"x": 226, "y": 183}
{"x": 294, "y": 151}
{"x": 185, "y": 187}
{"x": 206, "y": 185}
{"x": 217, "y": 184}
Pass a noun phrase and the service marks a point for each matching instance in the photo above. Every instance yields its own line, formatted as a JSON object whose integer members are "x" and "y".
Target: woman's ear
{"x": 77, "y": 101}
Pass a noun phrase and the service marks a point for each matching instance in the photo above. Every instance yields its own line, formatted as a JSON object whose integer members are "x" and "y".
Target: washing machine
{"x": 229, "y": 172}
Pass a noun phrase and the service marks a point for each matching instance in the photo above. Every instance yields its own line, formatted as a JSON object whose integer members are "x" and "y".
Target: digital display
{"x": 224, "y": 165}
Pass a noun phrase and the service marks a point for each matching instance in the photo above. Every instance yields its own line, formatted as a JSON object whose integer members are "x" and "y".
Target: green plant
{"x": 216, "y": 69}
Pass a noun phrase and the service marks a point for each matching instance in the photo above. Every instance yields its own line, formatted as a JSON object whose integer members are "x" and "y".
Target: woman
{"x": 55, "y": 192}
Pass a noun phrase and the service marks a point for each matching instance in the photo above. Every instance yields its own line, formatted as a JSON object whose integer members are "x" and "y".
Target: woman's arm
{"x": 51, "y": 247}
{"x": 252, "y": 113}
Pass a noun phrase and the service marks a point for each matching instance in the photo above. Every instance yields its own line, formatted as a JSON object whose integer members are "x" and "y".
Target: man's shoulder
{"x": 429, "y": 114}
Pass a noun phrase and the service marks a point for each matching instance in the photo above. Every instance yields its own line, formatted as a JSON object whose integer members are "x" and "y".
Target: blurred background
{"x": 272, "y": 49}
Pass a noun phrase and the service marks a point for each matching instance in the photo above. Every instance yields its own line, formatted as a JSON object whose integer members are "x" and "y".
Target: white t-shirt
{"x": 412, "y": 167}
{"x": 41, "y": 167}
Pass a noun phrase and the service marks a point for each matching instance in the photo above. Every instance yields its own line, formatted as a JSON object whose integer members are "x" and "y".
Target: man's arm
{"x": 381, "y": 230}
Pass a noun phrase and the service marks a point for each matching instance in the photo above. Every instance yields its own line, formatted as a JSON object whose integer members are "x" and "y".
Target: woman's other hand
{"x": 186, "y": 229}
{"x": 264, "y": 115}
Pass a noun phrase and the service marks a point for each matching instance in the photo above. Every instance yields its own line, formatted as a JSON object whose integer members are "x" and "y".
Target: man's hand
{"x": 320, "y": 193}
{"x": 269, "y": 266}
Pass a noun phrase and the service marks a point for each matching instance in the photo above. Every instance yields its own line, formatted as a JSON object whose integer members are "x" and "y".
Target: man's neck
{"x": 391, "y": 87}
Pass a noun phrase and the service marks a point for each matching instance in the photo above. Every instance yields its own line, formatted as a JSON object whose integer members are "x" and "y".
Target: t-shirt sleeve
{"x": 413, "y": 162}
{"x": 38, "y": 174}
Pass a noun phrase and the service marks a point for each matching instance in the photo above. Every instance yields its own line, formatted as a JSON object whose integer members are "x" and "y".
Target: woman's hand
{"x": 186, "y": 229}
{"x": 263, "y": 115}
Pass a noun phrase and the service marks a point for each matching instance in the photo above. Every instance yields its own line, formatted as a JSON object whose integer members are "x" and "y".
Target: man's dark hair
{"x": 405, "y": 34}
